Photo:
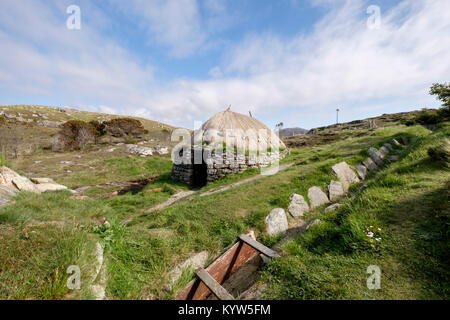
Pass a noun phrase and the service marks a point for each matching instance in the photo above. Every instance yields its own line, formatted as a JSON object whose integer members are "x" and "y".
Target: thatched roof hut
{"x": 229, "y": 142}
{"x": 228, "y": 126}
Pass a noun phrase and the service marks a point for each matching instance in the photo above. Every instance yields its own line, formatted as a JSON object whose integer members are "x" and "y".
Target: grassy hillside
{"x": 407, "y": 204}
{"x": 42, "y": 235}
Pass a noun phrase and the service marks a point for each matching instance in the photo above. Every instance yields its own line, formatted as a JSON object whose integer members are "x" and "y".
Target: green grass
{"x": 408, "y": 201}
{"x": 141, "y": 254}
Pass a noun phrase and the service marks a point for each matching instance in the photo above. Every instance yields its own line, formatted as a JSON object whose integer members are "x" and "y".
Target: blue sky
{"x": 180, "y": 61}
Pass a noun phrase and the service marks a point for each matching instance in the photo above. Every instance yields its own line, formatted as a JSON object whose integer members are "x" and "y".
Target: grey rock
{"x": 384, "y": 151}
{"x": 376, "y": 156}
{"x": 388, "y": 146}
{"x": 336, "y": 190}
{"x": 333, "y": 207}
{"x": 276, "y": 222}
{"x": 298, "y": 206}
{"x": 317, "y": 197}
{"x": 362, "y": 171}
{"x": 405, "y": 140}
{"x": 369, "y": 164}
{"x": 345, "y": 174}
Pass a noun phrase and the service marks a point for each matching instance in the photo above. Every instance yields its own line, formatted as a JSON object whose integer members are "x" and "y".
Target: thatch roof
{"x": 240, "y": 128}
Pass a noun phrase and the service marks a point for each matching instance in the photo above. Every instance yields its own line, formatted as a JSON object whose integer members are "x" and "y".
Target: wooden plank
{"x": 213, "y": 285}
{"x": 236, "y": 256}
{"x": 259, "y": 246}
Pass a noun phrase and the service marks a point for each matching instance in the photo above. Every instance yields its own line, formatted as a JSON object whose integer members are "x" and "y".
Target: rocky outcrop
{"x": 138, "y": 150}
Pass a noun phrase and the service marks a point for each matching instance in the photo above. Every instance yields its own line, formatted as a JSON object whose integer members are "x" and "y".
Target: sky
{"x": 181, "y": 61}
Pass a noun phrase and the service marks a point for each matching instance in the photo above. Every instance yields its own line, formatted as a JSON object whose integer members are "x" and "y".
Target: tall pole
{"x": 337, "y": 116}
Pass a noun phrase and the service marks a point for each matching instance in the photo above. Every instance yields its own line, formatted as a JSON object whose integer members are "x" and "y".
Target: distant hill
{"x": 289, "y": 132}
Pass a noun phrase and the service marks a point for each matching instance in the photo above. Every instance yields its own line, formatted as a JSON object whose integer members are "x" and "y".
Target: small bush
{"x": 123, "y": 127}
{"x": 74, "y": 135}
{"x": 441, "y": 152}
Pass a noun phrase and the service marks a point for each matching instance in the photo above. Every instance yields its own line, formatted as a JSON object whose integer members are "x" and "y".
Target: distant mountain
{"x": 289, "y": 132}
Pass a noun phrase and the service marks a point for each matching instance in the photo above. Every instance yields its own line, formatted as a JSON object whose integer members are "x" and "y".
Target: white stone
{"x": 138, "y": 150}
{"x": 396, "y": 143}
{"x": 44, "y": 187}
{"x": 335, "y": 190}
{"x": 25, "y": 184}
{"x": 345, "y": 174}
{"x": 276, "y": 222}
{"x": 317, "y": 197}
{"x": 298, "y": 206}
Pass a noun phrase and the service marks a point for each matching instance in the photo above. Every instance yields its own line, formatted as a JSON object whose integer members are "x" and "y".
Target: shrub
{"x": 441, "y": 152}
{"x": 74, "y": 134}
{"x": 123, "y": 127}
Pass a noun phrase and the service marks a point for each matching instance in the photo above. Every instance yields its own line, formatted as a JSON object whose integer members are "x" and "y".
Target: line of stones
{"x": 277, "y": 222}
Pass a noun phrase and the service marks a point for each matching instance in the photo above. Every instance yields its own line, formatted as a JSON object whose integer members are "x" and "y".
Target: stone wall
{"x": 219, "y": 165}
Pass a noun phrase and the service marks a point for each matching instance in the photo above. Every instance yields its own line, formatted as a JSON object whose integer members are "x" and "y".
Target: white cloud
{"x": 340, "y": 63}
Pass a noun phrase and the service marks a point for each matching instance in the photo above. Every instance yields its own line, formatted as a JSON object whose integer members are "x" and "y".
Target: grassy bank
{"x": 406, "y": 205}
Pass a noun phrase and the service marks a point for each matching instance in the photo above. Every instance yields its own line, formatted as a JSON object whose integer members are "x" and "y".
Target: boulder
{"x": 298, "y": 206}
{"x": 396, "y": 143}
{"x": 276, "y": 222}
{"x": 335, "y": 190}
{"x": 393, "y": 158}
{"x": 25, "y": 184}
{"x": 376, "y": 156}
{"x": 6, "y": 193}
{"x": 369, "y": 164}
{"x": 317, "y": 197}
{"x": 345, "y": 174}
{"x": 138, "y": 150}
{"x": 362, "y": 171}
{"x": 44, "y": 187}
